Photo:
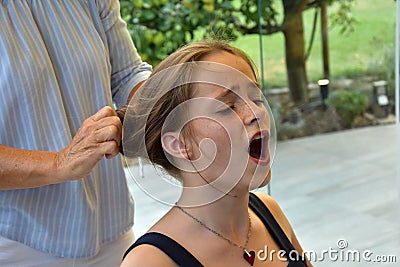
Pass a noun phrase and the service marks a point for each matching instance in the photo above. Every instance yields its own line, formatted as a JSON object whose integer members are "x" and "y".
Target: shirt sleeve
{"x": 127, "y": 68}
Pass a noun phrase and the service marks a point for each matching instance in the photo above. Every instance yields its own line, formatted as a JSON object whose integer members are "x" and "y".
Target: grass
{"x": 351, "y": 55}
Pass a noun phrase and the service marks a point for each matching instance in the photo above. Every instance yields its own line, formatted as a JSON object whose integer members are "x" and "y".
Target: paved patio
{"x": 338, "y": 190}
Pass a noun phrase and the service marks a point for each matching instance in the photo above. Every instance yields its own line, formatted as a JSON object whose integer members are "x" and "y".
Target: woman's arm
{"x": 99, "y": 136}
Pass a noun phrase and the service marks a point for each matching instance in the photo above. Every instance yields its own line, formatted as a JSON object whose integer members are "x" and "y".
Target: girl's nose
{"x": 253, "y": 113}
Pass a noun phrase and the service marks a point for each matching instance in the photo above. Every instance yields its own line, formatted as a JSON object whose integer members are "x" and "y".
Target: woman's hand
{"x": 99, "y": 136}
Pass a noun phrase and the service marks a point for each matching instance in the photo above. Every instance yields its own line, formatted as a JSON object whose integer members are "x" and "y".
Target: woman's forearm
{"x": 21, "y": 168}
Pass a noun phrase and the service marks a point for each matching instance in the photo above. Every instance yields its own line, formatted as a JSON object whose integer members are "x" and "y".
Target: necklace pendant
{"x": 249, "y": 256}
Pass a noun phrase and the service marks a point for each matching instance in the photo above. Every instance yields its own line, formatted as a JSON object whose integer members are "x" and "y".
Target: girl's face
{"x": 229, "y": 130}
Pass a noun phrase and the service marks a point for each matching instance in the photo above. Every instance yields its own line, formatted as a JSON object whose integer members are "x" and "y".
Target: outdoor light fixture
{"x": 324, "y": 90}
{"x": 380, "y": 99}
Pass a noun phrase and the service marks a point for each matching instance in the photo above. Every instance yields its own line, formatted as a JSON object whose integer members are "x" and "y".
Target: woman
{"x": 201, "y": 116}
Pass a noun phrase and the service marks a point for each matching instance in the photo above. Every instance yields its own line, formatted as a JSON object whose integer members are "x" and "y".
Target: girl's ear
{"x": 174, "y": 146}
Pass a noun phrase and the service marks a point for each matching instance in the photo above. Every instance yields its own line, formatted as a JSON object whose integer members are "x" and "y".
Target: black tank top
{"x": 182, "y": 257}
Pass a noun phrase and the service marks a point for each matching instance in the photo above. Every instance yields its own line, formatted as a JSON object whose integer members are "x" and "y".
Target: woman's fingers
{"x": 100, "y": 135}
{"x": 103, "y": 113}
{"x": 109, "y": 130}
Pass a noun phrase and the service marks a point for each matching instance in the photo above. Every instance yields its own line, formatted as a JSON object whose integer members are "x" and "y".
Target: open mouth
{"x": 258, "y": 147}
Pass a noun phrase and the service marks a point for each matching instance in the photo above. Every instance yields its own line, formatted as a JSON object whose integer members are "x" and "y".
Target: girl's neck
{"x": 227, "y": 192}
{"x": 227, "y": 214}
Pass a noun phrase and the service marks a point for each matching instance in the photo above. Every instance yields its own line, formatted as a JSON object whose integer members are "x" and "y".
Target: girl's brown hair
{"x": 151, "y": 148}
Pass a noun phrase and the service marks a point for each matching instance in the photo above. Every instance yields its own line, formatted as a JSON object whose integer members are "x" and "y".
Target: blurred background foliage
{"x": 160, "y": 27}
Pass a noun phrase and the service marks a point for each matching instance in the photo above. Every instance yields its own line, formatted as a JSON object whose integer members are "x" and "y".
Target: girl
{"x": 201, "y": 116}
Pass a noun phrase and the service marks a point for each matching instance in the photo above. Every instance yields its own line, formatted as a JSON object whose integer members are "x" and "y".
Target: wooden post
{"x": 324, "y": 38}
{"x": 397, "y": 67}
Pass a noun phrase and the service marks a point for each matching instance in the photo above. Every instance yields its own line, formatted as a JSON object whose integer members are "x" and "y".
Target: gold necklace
{"x": 249, "y": 256}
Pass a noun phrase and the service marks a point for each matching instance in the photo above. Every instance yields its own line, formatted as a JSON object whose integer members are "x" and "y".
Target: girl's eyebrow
{"x": 226, "y": 94}
{"x": 230, "y": 92}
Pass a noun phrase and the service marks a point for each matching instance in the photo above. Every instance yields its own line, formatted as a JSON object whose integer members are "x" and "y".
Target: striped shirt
{"x": 60, "y": 62}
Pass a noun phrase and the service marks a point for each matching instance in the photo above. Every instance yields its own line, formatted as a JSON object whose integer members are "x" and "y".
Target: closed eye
{"x": 226, "y": 109}
{"x": 258, "y": 102}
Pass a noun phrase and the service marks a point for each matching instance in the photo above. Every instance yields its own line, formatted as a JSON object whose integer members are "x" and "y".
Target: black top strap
{"x": 173, "y": 249}
{"x": 279, "y": 236}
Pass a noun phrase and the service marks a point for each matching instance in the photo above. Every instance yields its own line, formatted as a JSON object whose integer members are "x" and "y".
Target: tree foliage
{"x": 159, "y": 27}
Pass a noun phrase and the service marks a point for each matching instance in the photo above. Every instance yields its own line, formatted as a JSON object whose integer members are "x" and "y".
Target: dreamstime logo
{"x": 340, "y": 253}
{"x": 227, "y": 147}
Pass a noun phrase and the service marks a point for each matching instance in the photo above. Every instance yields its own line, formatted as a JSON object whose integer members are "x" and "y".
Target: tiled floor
{"x": 341, "y": 187}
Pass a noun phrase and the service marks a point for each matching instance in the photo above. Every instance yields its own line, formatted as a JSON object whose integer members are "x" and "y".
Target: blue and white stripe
{"x": 60, "y": 62}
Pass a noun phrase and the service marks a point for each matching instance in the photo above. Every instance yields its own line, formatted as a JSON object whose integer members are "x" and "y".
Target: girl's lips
{"x": 262, "y": 162}
{"x": 258, "y": 148}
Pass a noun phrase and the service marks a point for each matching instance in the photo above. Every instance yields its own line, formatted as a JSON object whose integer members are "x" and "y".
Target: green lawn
{"x": 350, "y": 55}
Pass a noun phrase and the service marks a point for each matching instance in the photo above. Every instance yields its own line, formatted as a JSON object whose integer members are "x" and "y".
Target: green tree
{"x": 159, "y": 27}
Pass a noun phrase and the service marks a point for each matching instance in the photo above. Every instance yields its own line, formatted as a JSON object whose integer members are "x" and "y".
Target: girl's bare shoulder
{"x": 277, "y": 212}
{"x": 147, "y": 255}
